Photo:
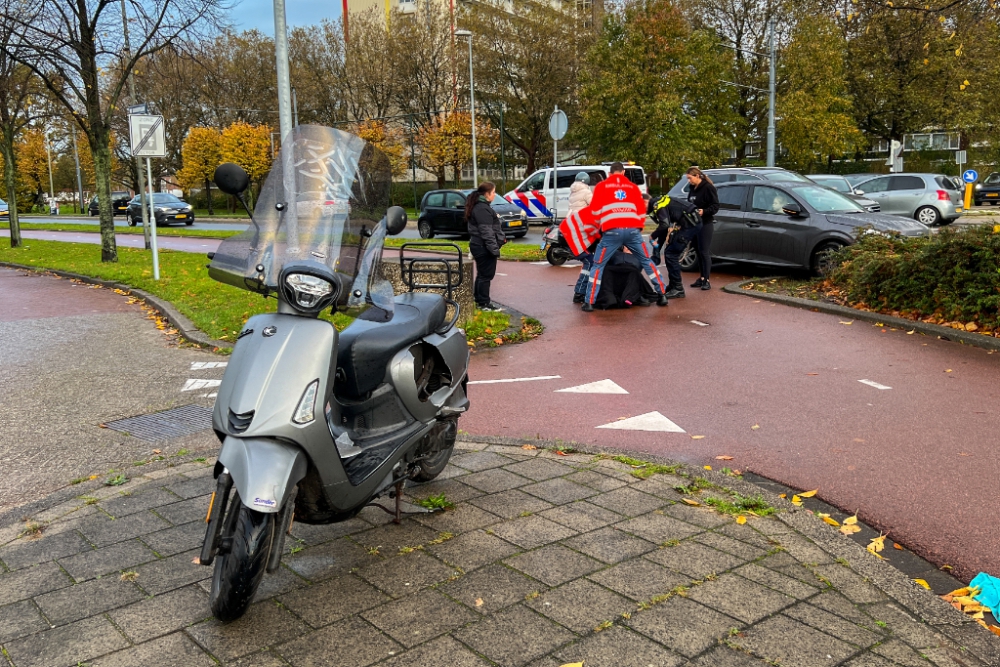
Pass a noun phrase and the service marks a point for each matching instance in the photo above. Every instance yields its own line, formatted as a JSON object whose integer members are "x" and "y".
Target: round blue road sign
{"x": 970, "y": 176}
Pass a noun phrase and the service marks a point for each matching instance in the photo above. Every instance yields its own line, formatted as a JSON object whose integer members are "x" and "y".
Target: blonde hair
{"x": 695, "y": 171}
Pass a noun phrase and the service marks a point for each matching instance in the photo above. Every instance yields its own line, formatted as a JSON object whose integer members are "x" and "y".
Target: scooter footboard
{"x": 264, "y": 471}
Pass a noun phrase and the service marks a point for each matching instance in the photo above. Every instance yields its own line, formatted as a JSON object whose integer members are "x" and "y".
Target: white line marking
{"x": 502, "y": 274}
{"x": 701, "y": 324}
{"x": 212, "y": 395}
{"x": 199, "y": 365}
{"x": 874, "y": 384}
{"x": 599, "y": 387}
{"x": 191, "y": 385}
{"x": 540, "y": 377}
{"x": 651, "y": 421}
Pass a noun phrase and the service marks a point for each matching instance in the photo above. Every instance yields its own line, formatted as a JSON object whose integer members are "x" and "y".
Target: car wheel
{"x": 689, "y": 259}
{"x": 131, "y": 220}
{"x": 425, "y": 230}
{"x": 520, "y": 236}
{"x": 822, "y": 258}
{"x": 927, "y": 215}
{"x": 189, "y": 222}
{"x": 945, "y": 223}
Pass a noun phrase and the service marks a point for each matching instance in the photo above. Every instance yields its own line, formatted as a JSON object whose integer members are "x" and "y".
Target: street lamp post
{"x": 472, "y": 107}
{"x": 48, "y": 154}
{"x": 281, "y": 58}
{"x": 770, "y": 88}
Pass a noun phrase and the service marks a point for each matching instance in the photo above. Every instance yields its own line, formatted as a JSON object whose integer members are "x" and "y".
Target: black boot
{"x": 662, "y": 300}
{"x": 675, "y": 293}
{"x": 699, "y": 282}
{"x": 587, "y": 308}
{"x": 706, "y": 285}
{"x": 577, "y": 298}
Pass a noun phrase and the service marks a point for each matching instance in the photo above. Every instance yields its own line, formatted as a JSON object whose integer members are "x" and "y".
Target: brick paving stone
{"x": 532, "y": 531}
{"x": 117, "y": 557}
{"x": 595, "y": 480}
{"x": 658, "y": 527}
{"x": 903, "y": 626}
{"x": 20, "y": 619}
{"x": 190, "y": 488}
{"x": 683, "y": 625}
{"x": 86, "y": 599}
{"x": 496, "y": 586}
{"x": 628, "y": 502}
{"x": 804, "y": 550}
{"x": 417, "y": 618}
{"x": 174, "y": 650}
{"x": 494, "y": 480}
{"x": 471, "y": 550}
{"x": 509, "y": 504}
{"x": 453, "y": 489}
{"x": 177, "y": 539}
{"x": 835, "y": 603}
{"x": 540, "y": 469}
{"x": 138, "y": 501}
{"x": 559, "y": 491}
{"x": 776, "y": 581}
{"x": 513, "y": 637}
{"x": 740, "y": 598}
{"x": 694, "y": 559}
{"x": 748, "y": 533}
{"x": 699, "y": 516}
{"x": 348, "y": 643}
{"x": 319, "y": 533}
{"x": 476, "y": 461}
{"x": 390, "y": 538}
{"x": 610, "y": 545}
{"x": 581, "y": 605}
{"x": 443, "y": 651}
{"x": 729, "y": 545}
{"x": 103, "y": 532}
{"x": 264, "y": 624}
{"x": 332, "y": 600}
{"x": 259, "y": 659}
{"x": 170, "y": 573}
{"x": 639, "y": 579}
{"x": 31, "y": 581}
{"x": 900, "y": 654}
{"x": 183, "y": 511}
{"x": 162, "y": 614}
{"x": 66, "y": 645}
{"x": 25, "y": 552}
{"x": 618, "y": 647}
{"x": 788, "y": 642}
{"x": 554, "y": 564}
{"x": 406, "y": 574}
{"x": 461, "y": 519}
{"x": 581, "y": 516}
{"x": 329, "y": 559}
{"x": 804, "y": 612}
{"x": 851, "y": 584}
{"x": 724, "y": 656}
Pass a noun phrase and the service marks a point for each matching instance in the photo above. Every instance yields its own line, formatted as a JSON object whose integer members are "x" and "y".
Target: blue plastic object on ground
{"x": 989, "y": 594}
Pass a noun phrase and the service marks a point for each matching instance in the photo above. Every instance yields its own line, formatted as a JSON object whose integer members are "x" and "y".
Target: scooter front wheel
{"x": 556, "y": 256}
{"x": 240, "y": 567}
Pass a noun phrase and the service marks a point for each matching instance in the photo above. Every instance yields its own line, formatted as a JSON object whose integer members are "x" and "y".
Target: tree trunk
{"x": 99, "y": 148}
{"x": 10, "y": 179}
{"x": 208, "y": 190}
{"x": 440, "y": 177}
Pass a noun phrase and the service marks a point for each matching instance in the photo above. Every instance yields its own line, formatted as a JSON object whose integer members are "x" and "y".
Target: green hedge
{"x": 951, "y": 277}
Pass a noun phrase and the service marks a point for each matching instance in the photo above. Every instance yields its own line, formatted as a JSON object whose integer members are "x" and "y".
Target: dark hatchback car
{"x": 791, "y": 224}
{"x": 987, "y": 192}
{"x": 443, "y": 212}
{"x": 167, "y": 208}
{"x": 119, "y": 204}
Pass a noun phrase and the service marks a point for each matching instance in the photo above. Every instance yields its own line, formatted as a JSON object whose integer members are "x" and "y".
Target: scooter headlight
{"x": 308, "y": 290}
{"x": 306, "y": 410}
{"x": 309, "y": 286}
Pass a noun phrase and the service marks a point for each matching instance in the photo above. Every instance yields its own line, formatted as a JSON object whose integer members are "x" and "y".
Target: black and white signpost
{"x": 558, "y": 124}
{"x": 147, "y": 139}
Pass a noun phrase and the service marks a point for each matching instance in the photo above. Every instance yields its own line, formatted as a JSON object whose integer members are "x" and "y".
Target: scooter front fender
{"x": 264, "y": 471}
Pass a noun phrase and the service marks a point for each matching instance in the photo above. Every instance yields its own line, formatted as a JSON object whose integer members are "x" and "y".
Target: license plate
{"x": 515, "y": 224}
{"x": 958, "y": 209}
{"x": 121, "y": 208}
{"x": 180, "y": 216}
{"x": 992, "y": 194}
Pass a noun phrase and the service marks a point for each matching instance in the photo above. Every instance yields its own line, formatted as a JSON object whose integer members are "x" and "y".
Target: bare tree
{"x": 75, "y": 48}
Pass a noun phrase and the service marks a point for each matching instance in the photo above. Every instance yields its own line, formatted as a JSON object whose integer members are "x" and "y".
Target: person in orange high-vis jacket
{"x": 581, "y": 233}
{"x": 620, "y": 211}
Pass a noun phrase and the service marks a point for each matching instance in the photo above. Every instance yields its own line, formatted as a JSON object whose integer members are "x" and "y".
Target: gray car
{"x": 844, "y": 187}
{"x": 933, "y": 199}
{"x": 791, "y": 224}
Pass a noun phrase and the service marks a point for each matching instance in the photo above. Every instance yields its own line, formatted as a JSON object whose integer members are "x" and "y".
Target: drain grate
{"x": 165, "y": 425}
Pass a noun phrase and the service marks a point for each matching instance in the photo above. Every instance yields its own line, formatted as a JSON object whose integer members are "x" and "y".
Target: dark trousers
{"x": 703, "y": 244}
{"x": 486, "y": 268}
{"x": 672, "y": 254}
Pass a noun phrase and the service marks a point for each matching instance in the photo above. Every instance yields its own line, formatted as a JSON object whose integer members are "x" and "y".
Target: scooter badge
{"x": 269, "y": 331}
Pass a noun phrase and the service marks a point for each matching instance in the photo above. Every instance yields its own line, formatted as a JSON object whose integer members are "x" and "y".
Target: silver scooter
{"x": 315, "y": 424}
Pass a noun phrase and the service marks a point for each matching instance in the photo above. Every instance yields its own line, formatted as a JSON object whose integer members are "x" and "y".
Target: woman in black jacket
{"x": 485, "y": 239}
{"x": 703, "y": 195}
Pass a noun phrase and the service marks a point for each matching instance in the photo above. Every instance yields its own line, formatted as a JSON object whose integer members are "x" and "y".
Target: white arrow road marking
{"x": 192, "y": 385}
{"x": 651, "y": 421}
{"x": 701, "y": 324}
{"x": 870, "y": 383}
{"x": 199, "y": 365}
{"x": 599, "y": 387}
{"x": 540, "y": 377}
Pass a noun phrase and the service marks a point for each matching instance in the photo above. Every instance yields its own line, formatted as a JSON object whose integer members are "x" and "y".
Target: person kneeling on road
{"x": 581, "y": 230}
{"x": 679, "y": 223}
{"x": 620, "y": 211}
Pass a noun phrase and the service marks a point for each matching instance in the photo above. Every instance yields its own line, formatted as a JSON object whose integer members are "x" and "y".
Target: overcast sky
{"x": 259, "y": 14}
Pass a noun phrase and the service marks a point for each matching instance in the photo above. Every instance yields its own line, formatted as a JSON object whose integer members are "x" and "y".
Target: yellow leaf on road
{"x": 723, "y": 457}
{"x": 573, "y": 664}
{"x": 850, "y": 529}
{"x": 741, "y": 519}
{"x": 782, "y": 495}
{"x": 911, "y": 332}
{"x": 848, "y": 323}
{"x": 831, "y": 521}
{"x": 692, "y": 503}
{"x": 796, "y": 501}
{"x": 808, "y": 494}
{"x": 755, "y": 427}
{"x": 923, "y": 583}
{"x": 851, "y": 520}
{"x": 479, "y": 602}
{"x": 876, "y": 545}
{"x": 697, "y": 437}
{"x": 707, "y": 467}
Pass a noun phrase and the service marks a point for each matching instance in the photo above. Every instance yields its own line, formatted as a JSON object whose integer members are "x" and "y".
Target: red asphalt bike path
{"x": 916, "y": 460}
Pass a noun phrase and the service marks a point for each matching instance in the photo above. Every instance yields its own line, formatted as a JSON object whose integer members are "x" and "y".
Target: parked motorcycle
{"x": 315, "y": 424}
{"x": 556, "y": 249}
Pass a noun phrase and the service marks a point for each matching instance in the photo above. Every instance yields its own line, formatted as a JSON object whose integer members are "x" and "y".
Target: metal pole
{"x": 76, "y": 159}
{"x": 555, "y": 174}
{"x": 48, "y": 153}
{"x": 281, "y": 56}
{"x": 138, "y": 162}
{"x": 472, "y": 101}
{"x": 295, "y": 107}
{"x": 152, "y": 227}
{"x": 770, "y": 92}
{"x": 503, "y": 159}
{"x": 413, "y": 165}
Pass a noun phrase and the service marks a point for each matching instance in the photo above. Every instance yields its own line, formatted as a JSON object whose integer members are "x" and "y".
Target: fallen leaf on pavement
{"x": 923, "y": 583}
{"x": 896, "y": 545}
{"x": 723, "y": 458}
{"x": 848, "y": 323}
{"x": 560, "y": 452}
{"x": 782, "y": 495}
{"x": 697, "y": 437}
{"x": 708, "y": 467}
{"x": 812, "y": 373}
{"x": 692, "y": 503}
{"x": 851, "y": 520}
{"x": 573, "y": 664}
{"x": 911, "y": 332}
{"x": 947, "y": 370}
{"x": 946, "y": 567}
{"x": 755, "y": 427}
{"x": 879, "y": 324}
{"x": 850, "y": 529}
{"x": 858, "y": 440}
{"x": 808, "y": 494}
{"x": 830, "y": 520}
{"x": 529, "y": 447}
{"x": 978, "y": 614}
{"x": 196, "y": 560}
{"x": 995, "y": 630}
{"x": 796, "y": 501}
{"x": 876, "y": 545}
{"x": 157, "y": 451}
{"x": 741, "y": 519}
{"x": 479, "y": 602}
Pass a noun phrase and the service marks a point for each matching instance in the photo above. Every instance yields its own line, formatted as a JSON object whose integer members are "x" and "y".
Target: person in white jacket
{"x": 580, "y": 195}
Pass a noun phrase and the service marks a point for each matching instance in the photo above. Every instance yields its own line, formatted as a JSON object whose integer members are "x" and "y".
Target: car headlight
{"x": 160, "y": 209}
{"x": 308, "y": 290}
{"x": 524, "y": 216}
{"x": 979, "y": 186}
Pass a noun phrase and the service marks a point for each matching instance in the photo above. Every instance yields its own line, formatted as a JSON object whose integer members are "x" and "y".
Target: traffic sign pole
{"x": 152, "y": 223}
{"x": 558, "y": 124}
{"x": 970, "y": 176}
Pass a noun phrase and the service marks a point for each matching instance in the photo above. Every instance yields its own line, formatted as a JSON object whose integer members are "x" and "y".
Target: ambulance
{"x": 535, "y": 196}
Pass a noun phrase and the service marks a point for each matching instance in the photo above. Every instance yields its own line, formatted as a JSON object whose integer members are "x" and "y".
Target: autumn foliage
{"x": 447, "y": 142}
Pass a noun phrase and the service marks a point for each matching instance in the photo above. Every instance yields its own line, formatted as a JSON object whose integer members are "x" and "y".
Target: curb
{"x": 944, "y": 333}
{"x": 187, "y": 330}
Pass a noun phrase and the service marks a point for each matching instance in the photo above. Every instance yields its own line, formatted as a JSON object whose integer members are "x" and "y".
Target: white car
{"x": 534, "y": 195}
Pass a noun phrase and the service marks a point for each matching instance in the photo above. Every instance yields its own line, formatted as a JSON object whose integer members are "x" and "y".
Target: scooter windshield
{"x": 324, "y": 201}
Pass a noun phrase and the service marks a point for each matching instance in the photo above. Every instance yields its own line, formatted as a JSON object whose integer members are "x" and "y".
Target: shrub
{"x": 952, "y": 276}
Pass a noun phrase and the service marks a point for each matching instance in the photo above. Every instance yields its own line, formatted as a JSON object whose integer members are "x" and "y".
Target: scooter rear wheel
{"x": 441, "y": 443}
{"x": 238, "y": 572}
{"x": 556, "y": 256}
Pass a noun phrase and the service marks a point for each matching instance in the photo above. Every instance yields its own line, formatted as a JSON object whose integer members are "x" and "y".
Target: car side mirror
{"x": 859, "y": 192}
{"x": 395, "y": 220}
{"x": 231, "y": 178}
{"x": 792, "y": 209}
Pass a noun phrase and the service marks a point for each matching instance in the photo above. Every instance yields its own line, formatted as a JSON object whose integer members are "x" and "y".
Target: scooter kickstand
{"x": 399, "y": 502}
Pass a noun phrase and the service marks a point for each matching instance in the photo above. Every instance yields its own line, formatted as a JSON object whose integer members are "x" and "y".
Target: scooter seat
{"x": 366, "y": 347}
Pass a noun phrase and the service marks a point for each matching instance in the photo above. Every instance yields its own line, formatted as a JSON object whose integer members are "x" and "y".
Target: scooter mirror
{"x": 231, "y": 178}
{"x": 395, "y": 220}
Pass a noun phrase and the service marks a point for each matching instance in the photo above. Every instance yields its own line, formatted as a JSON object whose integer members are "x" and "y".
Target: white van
{"x": 534, "y": 194}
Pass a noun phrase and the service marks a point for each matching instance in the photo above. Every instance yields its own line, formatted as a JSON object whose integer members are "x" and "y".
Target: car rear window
{"x": 635, "y": 175}
{"x": 946, "y": 183}
{"x": 731, "y": 197}
{"x": 435, "y": 199}
{"x": 785, "y": 176}
{"x": 906, "y": 183}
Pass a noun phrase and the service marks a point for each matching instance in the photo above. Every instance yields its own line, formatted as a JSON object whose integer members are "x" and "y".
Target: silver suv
{"x": 932, "y": 199}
